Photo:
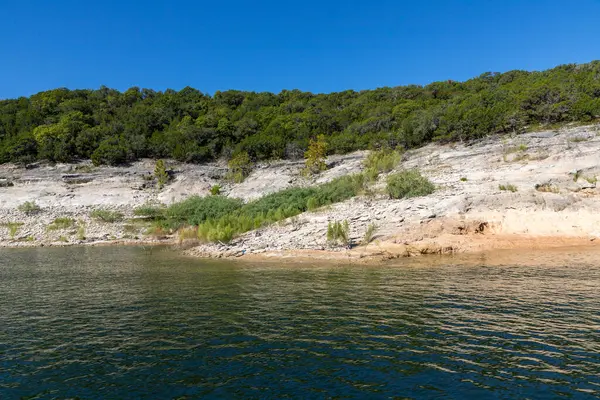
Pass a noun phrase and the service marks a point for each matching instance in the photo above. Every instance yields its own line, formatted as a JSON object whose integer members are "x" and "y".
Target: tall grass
{"x": 508, "y": 187}
{"x": 381, "y": 161}
{"x": 13, "y": 228}
{"x": 279, "y": 206}
{"x": 106, "y": 215}
{"x": 220, "y": 219}
{"x": 61, "y": 223}
{"x": 338, "y": 232}
{"x": 369, "y": 233}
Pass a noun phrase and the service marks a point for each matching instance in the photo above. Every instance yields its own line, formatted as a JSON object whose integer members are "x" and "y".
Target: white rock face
{"x": 467, "y": 179}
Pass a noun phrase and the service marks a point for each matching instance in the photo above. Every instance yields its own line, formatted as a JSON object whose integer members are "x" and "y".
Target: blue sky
{"x": 318, "y": 46}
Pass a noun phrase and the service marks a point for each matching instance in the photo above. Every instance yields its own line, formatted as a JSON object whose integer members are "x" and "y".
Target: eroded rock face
{"x": 554, "y": 177}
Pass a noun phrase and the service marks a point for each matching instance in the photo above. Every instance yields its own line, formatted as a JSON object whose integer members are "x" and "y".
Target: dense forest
{"x": 111, "y": 127}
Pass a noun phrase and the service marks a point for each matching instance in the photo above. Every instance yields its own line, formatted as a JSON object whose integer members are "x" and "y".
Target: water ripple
{"x": 124, "y": 323}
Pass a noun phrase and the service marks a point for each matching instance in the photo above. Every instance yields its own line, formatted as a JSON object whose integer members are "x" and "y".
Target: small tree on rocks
{"x": 315, "y": 155}
{"x": 160, "y": 172}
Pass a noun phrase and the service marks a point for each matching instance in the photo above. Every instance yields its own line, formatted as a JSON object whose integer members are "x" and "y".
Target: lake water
{"x": 124, "y": 322}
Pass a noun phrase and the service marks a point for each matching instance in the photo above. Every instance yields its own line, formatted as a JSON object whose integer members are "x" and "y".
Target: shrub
{"x": 508, "y": 187}
{"x": 13, "y": 228}
{"x": 107, "y": 215}
{"x": 215, "y": 190}
{"x": 61, "y": 223}
{"x": 29, "y": 207}
{"x": 338, "y": 232}
{"x": 409, "y": 183}
{"x": 463, "y": 179}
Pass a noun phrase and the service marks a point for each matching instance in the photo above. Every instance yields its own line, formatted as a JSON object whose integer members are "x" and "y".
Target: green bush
{"x": 107, "y": 215}
{"x": 215, "y": 190}
{"x": 29, "y": 207}
{"x": 409, "y": 183}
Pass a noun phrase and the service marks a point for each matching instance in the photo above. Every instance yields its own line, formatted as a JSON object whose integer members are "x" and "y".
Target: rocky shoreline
{"x": 534, "y": 190}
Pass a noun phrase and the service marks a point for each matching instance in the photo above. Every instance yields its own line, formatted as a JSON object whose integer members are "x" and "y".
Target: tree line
{"x": 112, "y": 127}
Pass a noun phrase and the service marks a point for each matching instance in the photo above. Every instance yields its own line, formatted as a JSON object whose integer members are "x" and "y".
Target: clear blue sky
{"x": 318, "y": 46}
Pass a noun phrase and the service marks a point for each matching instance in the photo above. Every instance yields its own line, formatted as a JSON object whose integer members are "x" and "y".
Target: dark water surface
{"x": 119, "y": 322}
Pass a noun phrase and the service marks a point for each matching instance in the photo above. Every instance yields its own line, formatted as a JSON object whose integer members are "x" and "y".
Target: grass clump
{"x": 151, "y": 211}
{"x": 369, "y": 233}
{"x": 508, "y": 187}
{"x": 29, "y": 207}
{"x": 195, "y": 210}
{"x": 579, "y": 139}
{"x": 381, "y": 161}
{"x": 61, "y": 223}
{"x": 215, "y": 190}
{"x": 312, "y": 204}
{"x": 338, "y": 233}
{"x": 240, "y": 167}
{"x": 591, "y": 179}
{"x": 546, "y": 188}
{"x": 13, "y": 228}
{"x": 81, "y": 231}
{"x": 107, "y": 215}
{"x": 63, "y": 239}
{"x": 86, "y": 168}
{"x": 408, "y": 183}
{"x": 187, "y": 233}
